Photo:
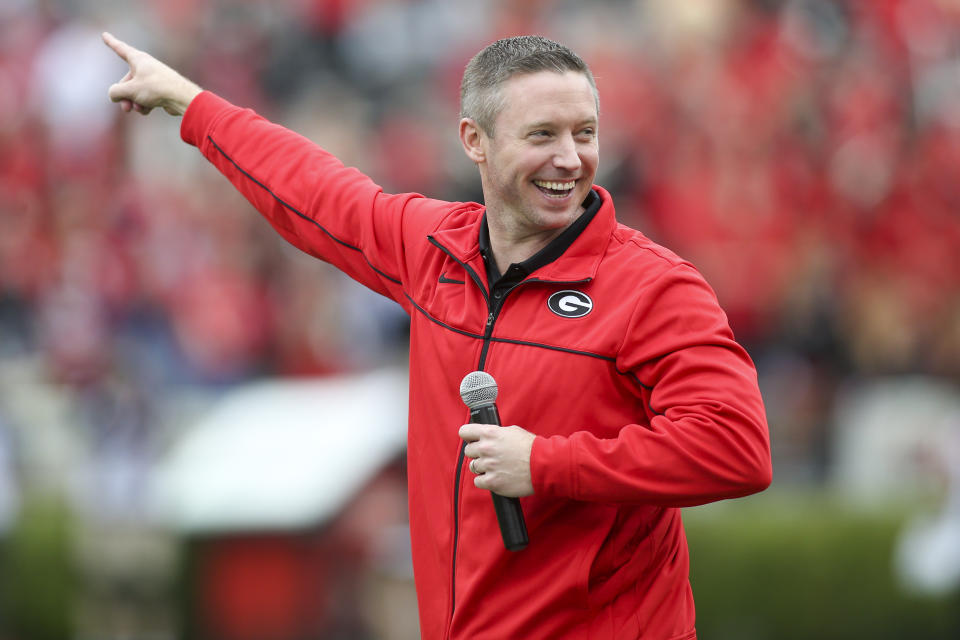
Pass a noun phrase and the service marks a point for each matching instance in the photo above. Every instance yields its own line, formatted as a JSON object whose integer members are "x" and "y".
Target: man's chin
{"x": 559, "y": 217}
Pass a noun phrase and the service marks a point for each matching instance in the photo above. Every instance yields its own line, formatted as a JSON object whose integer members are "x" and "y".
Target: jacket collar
{"x": 579, "y": 261}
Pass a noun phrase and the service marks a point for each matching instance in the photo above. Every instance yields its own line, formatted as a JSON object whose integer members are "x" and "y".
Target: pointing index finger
{"x": 119, "y": 47}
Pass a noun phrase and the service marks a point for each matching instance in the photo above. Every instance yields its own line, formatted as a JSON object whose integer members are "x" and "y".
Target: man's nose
{"x": 565, "y": 155}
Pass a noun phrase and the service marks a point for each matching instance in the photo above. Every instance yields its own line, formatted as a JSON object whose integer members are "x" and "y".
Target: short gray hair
{"x": 480, "y": 96}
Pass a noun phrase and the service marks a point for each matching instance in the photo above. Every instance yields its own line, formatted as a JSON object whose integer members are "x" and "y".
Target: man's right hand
{"x": 149, "y": 83}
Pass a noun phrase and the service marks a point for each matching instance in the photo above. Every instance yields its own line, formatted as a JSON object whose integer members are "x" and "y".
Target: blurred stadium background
{"x": 175, "y": 382}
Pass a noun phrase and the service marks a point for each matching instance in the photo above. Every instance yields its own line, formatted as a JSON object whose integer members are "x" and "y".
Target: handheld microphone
{"x": 479, "y": 392}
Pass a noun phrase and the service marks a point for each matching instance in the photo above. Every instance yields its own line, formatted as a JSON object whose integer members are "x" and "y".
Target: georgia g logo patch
{"x": 570, "y": 304}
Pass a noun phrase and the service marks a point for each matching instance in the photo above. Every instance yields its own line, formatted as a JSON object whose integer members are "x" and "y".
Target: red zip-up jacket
{"x": 641, "y": 406}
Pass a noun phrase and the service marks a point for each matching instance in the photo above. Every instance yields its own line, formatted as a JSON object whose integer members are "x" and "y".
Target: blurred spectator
{"x": 804, "y": 154}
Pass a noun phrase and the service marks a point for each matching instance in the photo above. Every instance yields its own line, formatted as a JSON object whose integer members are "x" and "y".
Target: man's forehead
{"x": 544, "y": 95}
{"x": 547, "y": 81}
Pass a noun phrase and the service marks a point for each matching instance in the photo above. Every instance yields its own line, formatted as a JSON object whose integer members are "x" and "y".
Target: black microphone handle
{"x": 513, "y": 527}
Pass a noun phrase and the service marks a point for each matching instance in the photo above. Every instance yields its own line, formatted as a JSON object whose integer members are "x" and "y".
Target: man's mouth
{"x": 555, "y": 189}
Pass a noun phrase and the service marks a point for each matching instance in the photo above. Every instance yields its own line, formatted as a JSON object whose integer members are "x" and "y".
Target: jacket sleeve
{"x": 706, "y": 438}
{"x": 328, "y": 210}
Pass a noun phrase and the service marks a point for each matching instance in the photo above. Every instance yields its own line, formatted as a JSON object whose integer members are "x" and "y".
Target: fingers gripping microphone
{"x": 479, "y": 391}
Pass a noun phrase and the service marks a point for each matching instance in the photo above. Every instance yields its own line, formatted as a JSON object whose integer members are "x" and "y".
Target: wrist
{"x": 177, "y": 104}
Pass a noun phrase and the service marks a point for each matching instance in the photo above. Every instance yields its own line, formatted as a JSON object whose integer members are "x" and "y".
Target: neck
{"x": 510, "y": 246}
{"x": 507, "y": 252}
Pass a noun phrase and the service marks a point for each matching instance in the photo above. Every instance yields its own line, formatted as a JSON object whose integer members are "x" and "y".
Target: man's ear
{"x": 471, "y": 137}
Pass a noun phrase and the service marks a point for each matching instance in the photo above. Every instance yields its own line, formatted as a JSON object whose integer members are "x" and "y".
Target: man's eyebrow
{"x": 551, "y": 123}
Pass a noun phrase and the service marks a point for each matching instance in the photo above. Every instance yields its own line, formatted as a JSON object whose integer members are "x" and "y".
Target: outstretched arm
{"x": 149, "y": 83}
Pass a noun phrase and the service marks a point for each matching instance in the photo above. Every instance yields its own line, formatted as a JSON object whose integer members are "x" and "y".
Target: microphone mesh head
{"x": 478, "y": 389}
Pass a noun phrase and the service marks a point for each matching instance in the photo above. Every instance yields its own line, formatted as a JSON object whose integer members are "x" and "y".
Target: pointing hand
{"x": 149, "y": 83}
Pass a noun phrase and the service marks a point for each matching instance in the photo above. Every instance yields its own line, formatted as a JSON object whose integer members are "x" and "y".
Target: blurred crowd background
{"x": 803, "y": 154}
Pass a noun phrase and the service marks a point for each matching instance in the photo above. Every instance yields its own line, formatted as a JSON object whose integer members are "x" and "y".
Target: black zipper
{"x": 460, "y": 456}
{"x": 493, "y": 312}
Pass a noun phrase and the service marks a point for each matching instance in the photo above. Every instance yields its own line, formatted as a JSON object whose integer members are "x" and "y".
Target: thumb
{"x": 121, "y": 90}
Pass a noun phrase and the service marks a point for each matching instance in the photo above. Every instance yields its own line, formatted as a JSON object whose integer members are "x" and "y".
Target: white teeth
{"x": 556, "y": 186}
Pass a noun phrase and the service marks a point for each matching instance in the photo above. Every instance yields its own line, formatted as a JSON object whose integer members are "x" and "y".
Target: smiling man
{"x": 537, "y": 156}
{"x": 626, "y": 394}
